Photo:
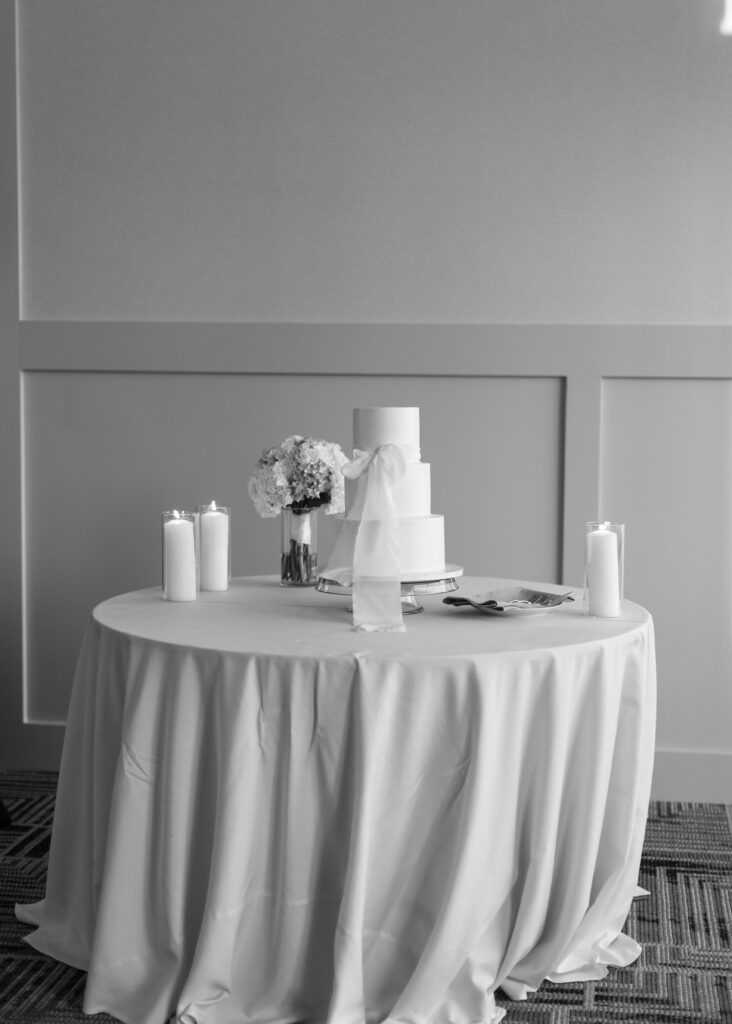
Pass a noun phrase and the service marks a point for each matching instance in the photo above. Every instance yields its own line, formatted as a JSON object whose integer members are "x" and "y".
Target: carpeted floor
{"x": 685, "y": 926}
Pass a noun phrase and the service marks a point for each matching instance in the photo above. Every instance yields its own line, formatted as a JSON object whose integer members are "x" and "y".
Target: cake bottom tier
{"x": 421, "y": 544}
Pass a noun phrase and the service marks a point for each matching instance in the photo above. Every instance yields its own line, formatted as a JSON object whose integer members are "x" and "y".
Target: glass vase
{"x": 299, "y": 558}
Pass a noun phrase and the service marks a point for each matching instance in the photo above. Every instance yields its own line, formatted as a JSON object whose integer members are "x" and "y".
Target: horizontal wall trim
{"x": 696, "y": 775}
{"x": 378, "y": 349}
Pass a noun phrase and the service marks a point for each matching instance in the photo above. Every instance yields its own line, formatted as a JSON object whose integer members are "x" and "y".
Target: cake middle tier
{"x": 421, "y": 544}
{"x": 412, "y": 494}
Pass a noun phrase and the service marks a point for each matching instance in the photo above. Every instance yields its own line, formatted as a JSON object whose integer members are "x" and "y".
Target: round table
{"x": 266, "y": 816}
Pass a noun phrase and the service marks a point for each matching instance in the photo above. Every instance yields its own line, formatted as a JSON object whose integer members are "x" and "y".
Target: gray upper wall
{"x": 376, "y": 161}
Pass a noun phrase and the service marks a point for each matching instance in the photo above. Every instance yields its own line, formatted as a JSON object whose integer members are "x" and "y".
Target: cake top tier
{"x": 385, "y": 425}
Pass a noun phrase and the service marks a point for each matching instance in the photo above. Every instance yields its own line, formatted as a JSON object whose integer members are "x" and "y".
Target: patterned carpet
{"x": 685, "y": 926}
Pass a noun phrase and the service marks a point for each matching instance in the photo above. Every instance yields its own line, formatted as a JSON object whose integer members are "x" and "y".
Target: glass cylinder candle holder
{"x": 180, "y": 563}
{"x": 214, "y": 546}
{"x": 604, "y": 565}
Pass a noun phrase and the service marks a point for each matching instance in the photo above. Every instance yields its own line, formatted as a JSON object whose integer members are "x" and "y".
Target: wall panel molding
{"x": 432, "y": 349}
{"x": 583, "y": 357}
{"x": 582, "y": 425}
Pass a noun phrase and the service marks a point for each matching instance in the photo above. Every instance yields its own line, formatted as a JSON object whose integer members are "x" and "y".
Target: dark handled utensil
{"x": 482, "y": 606}
{"x": 511, "y": 597}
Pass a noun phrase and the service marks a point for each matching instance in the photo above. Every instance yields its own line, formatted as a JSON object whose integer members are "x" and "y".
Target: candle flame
{"x": 176, "y": 513}
{"x": 212, "y": 506}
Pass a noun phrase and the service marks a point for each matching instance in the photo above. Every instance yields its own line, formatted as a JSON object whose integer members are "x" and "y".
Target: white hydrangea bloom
{"x": 302, "y": 471}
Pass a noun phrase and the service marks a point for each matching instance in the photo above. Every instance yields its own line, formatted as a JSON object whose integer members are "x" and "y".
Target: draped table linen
{"x": 265, "y": 816}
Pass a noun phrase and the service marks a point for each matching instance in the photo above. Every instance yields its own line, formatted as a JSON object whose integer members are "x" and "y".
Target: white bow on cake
{"x": 375, "y": 576}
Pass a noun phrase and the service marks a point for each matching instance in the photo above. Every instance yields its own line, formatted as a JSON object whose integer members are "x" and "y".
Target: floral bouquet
{"x": 297, "y": 476}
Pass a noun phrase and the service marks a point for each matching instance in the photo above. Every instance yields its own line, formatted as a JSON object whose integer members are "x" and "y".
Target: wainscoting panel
{"x": 106, "y": 453}
{"x": 666, "y": 453}
{"x": 201, "y": 253}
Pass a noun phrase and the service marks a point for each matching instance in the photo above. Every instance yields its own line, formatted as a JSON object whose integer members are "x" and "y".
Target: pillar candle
{"x": 179, "y": 555}
{"x": 214, "y": 549}
{"x": 602, "y": 573}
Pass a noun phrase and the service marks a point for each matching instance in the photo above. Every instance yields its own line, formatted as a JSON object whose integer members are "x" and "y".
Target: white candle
{"x": 179, "y": 554}
{"x": 214, "y": 549}
{"x": 603, "y": 580}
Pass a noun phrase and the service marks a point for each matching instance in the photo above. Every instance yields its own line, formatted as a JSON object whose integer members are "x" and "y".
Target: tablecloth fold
{"x": 246, "y": 835}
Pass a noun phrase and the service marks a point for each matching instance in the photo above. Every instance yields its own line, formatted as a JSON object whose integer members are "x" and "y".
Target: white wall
{"x": 240, "y": 218}
{"x": 376, "y": 161}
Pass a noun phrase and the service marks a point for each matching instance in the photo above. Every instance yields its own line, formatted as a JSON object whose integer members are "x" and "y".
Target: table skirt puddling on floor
{"x": 380, "y": 834}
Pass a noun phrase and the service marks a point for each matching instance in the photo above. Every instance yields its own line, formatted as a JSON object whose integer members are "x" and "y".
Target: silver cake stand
{"x": 414, "y": 586}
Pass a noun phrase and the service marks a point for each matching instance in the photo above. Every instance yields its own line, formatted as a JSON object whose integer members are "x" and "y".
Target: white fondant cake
{"x": 421, "y": 533}
{"x": 386, "y": 425}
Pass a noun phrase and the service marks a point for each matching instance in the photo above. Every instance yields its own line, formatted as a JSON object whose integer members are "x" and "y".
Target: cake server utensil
{"x": 482, "y": 606}
{"x": 520, "y": 599}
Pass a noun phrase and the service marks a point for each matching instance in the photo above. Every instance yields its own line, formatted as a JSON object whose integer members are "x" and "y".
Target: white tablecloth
{"x": 265, "y": 816}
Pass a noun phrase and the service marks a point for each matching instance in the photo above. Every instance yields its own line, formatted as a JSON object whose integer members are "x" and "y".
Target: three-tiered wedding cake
{"x": 421, "y": 532}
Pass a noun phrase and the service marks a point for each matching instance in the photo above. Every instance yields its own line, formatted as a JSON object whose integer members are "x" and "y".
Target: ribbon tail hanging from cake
{"x": 376, "y": 573}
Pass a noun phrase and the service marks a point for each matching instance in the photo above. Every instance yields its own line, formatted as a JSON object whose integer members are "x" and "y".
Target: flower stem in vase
{"x": 298, "y": 565}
